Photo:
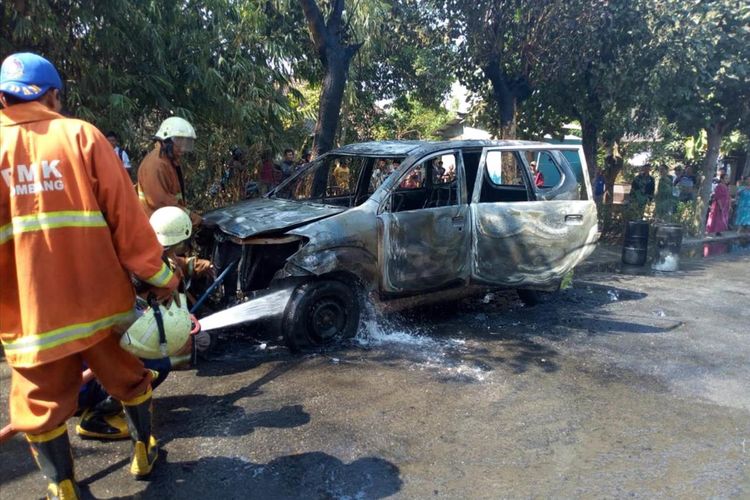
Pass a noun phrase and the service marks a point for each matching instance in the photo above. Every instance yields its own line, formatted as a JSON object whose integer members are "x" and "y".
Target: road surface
{"x": 621, "y": 386}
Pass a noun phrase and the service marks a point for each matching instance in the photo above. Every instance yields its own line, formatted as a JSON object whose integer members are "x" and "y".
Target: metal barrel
{"x": 635, "y": 244}
{"x": 668, "y": 244}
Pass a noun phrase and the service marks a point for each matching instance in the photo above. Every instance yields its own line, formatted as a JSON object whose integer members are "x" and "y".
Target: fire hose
{"x": 87, "y": 376}
{"x": 8, "y": 432}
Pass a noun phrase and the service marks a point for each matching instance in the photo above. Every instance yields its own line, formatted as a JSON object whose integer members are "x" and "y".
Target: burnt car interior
{"x": 339, "y": 180}
{"x": 430, "y": 184}
{"x": 505, "y": 178}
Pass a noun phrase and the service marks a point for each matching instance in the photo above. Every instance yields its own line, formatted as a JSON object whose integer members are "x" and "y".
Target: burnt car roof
{"x": 405, "y": 148}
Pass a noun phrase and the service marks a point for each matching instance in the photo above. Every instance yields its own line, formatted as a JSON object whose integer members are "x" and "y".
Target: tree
{"x": 335, "y": 54}
{"x": 704, "y": 76}
{"x": 599, "y": 71}
{"x": 494, "y": 46}
{"x": 375, "y": 50}
{"x": 129, "y": 64}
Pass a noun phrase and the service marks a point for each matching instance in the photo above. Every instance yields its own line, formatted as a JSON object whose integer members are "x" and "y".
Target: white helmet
{"x": 143, "y": 337}
{"x": 175, "y": 126}
{"x": 171, "y": 225}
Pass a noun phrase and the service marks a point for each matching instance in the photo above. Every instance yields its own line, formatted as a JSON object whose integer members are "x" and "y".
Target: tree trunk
{"x": 745, "y": 168}
{"x": 590, "y": 138}
{"x": 715, "y": 133}
{"x": 331, "y": 97}
{"x": 508, "y": 131}
{"x": 335, "y": 55}
{"x": 508, "y": 94}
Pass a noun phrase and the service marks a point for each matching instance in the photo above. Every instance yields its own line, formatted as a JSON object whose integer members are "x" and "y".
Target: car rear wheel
{"x": 320, "y": 313}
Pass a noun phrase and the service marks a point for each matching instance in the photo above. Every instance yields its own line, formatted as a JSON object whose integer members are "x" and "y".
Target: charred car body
{"x": 408, "y": 222}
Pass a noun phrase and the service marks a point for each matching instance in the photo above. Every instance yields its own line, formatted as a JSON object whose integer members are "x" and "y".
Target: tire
{"x": 530, "y": 298}
{"x": 320, "y": 313}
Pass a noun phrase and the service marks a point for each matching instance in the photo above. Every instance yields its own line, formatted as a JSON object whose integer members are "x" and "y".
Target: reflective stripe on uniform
{"x": 162, "y": 277}
{"x": 50, "y": 220}
{"x": 59, "y": 336}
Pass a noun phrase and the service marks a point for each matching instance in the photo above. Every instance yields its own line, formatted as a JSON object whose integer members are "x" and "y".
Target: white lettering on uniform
{"x": 25, "y": 174}
{"x": 29, "y": 181}
{"x": 51, "y": 168}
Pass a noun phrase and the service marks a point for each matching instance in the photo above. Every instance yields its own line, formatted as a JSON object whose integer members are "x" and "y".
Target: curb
{"x": 608, "y": 258}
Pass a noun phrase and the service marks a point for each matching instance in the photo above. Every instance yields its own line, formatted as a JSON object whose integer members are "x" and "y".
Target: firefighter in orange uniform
{"x": 160, "y": 178}
{"x": 71, "y": 230}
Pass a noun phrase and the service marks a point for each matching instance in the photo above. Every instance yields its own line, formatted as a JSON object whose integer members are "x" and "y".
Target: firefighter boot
{"x": 106, "y": 420}
{"x": 95, "y": 425}
{"x": 51, "y": 451}
{"x": 145, "y": 446}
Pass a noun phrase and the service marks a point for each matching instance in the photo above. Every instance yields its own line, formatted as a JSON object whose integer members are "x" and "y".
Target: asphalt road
{"x": 623, "y": 386}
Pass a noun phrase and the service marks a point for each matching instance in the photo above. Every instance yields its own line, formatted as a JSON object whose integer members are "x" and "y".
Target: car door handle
{"x": 458, "y": 220}
{"x": 574, "y": 219}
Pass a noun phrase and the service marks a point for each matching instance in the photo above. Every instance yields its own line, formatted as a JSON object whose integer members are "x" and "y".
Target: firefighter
{"x": 160, "y": 178}
{"x": 102, "y": 416}
{"x": 71, "y": 232}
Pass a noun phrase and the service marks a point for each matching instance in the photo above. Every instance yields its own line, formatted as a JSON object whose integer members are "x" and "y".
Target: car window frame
{"x": 385, "y": 203}
{"x": 562, "y": 174}
{"x": 547, "y": 193}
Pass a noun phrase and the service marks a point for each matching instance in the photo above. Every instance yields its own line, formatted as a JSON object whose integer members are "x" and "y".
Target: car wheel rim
{"x": 327, "y": 320}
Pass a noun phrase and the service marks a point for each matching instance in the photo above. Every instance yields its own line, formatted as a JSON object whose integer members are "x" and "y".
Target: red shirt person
{"x": 538, "y": 176}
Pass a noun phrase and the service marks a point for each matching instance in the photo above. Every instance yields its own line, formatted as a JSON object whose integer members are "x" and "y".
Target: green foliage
{"x": 409, "y": 118}
{"x": 128, "y": 64}
{"x": 703, "y": 76}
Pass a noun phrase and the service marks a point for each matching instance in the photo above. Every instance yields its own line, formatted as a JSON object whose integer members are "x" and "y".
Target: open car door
{"x": 530, "y": 229}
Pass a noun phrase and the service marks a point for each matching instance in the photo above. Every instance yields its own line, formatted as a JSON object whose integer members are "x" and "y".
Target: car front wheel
{"x": 320, "y": 313}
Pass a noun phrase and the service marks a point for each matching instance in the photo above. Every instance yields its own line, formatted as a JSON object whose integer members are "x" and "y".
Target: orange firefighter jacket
{"x": 159, "y": 184}
{"x": 71, "y": 230}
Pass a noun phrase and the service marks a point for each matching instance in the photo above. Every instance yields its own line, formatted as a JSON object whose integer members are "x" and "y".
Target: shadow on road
{"x": 315, "y": 475}
{"x": 220, "y": 415}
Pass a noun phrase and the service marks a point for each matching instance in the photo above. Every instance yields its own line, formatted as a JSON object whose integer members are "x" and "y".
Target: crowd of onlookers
{"x": 729, "y": 206}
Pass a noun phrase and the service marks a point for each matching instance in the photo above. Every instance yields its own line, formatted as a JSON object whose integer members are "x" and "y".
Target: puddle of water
{"x": 714, "y": 249}
{"x": 443, "y": 357}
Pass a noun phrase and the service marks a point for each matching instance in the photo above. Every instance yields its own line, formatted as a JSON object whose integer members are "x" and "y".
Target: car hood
{"x": 264, "y": 215}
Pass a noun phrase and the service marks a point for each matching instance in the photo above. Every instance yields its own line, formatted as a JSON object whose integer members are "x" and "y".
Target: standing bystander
{"x": 742, "y": 213}
{"x": 718, "y": 216}
{"x": 114, "y": 140}
{"x": 287, "y": 165}
{"x": 642, "y": 190}
{"x": 600, "y": 187}
{"x": 664, "y": 200}
{"x": 538, "y": 176}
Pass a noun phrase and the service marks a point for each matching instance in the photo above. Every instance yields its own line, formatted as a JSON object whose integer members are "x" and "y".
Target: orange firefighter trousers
{"x": 45, "y": 396}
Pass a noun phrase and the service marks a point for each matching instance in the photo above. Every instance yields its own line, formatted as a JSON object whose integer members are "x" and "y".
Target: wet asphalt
{"x": 622, "y": 386}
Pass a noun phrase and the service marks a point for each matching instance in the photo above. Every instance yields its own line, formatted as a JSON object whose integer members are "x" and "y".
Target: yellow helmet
{"x": 143, "y": 336}
{"x": 171, "y": 225}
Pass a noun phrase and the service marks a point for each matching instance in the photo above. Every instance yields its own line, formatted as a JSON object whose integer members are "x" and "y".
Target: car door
{"x": 423, "y": 227}
{"x": 529, "y": 230}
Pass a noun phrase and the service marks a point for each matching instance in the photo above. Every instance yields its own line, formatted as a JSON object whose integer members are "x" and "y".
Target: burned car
{"x": 408, "y": 222}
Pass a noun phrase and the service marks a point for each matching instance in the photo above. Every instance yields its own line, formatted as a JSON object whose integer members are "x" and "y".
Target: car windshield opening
{"x": 341, "y": 180}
